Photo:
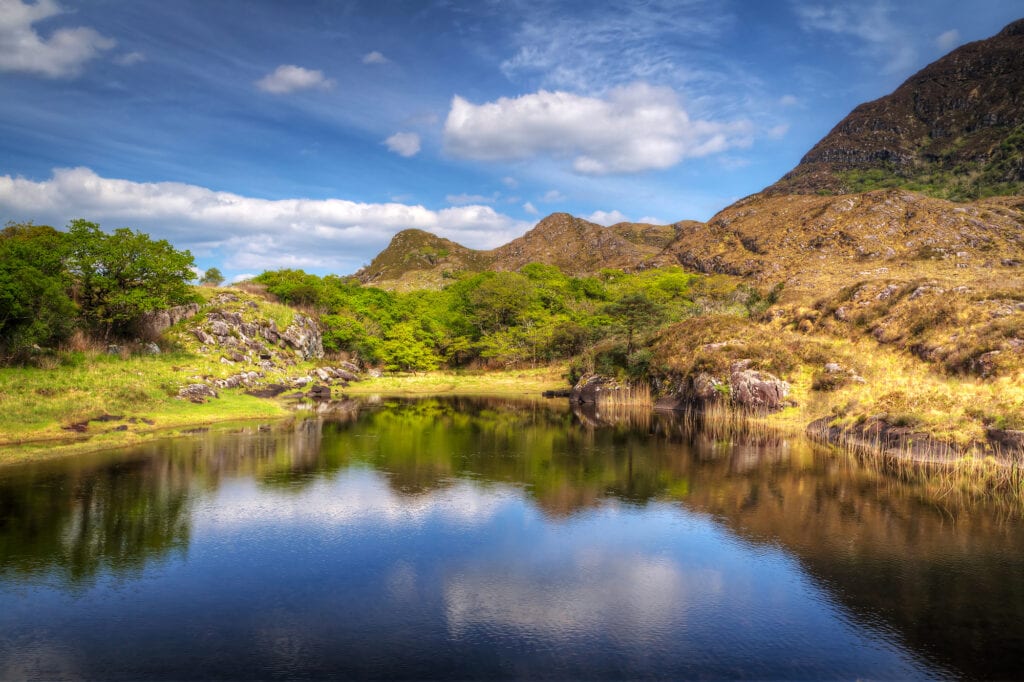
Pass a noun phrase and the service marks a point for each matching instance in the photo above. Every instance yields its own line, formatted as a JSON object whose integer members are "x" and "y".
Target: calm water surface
{"x": 473, "y": 538}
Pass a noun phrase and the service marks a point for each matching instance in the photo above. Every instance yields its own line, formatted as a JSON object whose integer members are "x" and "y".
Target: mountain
{"x": 953, "y": 130}
{"x": 422, "y": 253}
{"x": 415, "y": 258}
{"x": 926, "y": 181}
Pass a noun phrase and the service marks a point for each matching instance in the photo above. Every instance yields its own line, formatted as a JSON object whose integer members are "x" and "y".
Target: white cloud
{"x": 789, "y": 100}
{"x": 327, "y": 235}
{"x": 375, "y": 58}
{"x": 650, "y": 220}
{"x": 607, "y": 218}
{"x": 24, "y": 50}
{"x": 869, "y": 23}
{"x": 242, "y": 276}
{"x": 634, "y": 128}
{"x": 551, "y": 196}
{"x": 510, "y": 182}
{"x": 130, "y": 58}
{"x": 462, "y": 199}
{"x": 404, "y": 144}
{"x": 530, "y": 208}
{"x": 948, "y": 40}
{"x": 290, "y": 78}
{"x": 779, "y": 131}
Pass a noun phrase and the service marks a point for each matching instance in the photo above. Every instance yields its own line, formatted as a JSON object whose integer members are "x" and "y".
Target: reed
{"x": 637, "y": 394}
{"x": 944, "y": 471}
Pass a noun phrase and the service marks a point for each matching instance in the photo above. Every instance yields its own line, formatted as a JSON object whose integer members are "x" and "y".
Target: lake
{"x": 493, "y": 538}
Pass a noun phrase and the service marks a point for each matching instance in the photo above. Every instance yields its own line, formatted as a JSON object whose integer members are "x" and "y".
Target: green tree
{"x": 405, "y": 348}
{"x": 120, "y": 276}
{"x": 635, "y": 313}
{"x": 35, "y": 308}
{"x": 497, "y": 300}
{"x": 212, "y": 277}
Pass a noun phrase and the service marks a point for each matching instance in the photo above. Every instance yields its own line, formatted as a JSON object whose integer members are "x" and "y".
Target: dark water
{"x": 469, "y": 539}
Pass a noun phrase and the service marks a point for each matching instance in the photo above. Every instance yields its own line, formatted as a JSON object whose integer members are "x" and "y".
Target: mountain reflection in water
{"x": 475, "y": 537}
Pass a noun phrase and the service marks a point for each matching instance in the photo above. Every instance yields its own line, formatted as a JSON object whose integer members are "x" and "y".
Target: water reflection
{"x": 587, "y": 544}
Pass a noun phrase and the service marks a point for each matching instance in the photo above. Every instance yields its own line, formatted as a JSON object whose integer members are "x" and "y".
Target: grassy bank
{"x": 94, "y": 401}
{"x": 465, "y": 382}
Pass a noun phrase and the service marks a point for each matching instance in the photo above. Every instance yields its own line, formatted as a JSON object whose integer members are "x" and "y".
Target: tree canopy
{"x": 52, "y": 282}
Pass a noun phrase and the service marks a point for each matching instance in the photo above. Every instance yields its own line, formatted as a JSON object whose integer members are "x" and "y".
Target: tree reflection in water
{"x": 949, "y": 580}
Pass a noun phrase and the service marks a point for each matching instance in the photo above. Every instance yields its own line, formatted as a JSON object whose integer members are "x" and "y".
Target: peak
{"x": 1015, "y": 28}
{"x": 557, "y": 217}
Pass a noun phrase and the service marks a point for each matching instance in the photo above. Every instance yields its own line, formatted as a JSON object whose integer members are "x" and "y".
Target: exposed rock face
{"x": 304, "y": 336}
{"x": 756, "y": 391}
{"x": 237, "y": 331}
{"x": 152, "y": 325}
{"x": 957, "y": 112}
{"x": 242, "y": 341}
{"x": 744, "y": 389}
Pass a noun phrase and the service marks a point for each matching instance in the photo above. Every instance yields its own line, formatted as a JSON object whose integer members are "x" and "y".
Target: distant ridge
{"x": 415, "y": 258}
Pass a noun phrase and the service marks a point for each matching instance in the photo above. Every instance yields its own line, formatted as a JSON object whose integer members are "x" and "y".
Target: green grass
{"x": 39, "y": 404}
{"x": 531, "y": 381}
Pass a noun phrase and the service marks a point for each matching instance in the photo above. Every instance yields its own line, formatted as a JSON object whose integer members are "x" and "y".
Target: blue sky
{"x": 305, "y": 134}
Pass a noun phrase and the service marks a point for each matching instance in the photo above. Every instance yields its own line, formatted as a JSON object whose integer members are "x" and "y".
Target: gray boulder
{"x": 757, "y": 391}
{"x": 197, "y": 393}
{"x": 589, "y": 387}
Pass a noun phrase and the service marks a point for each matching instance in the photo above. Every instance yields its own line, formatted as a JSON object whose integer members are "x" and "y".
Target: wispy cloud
{"x": 551, "y": 196}
{"x": 289, "y": 78}
{"x": 601, "y": 45}
{"x": 530, "y": 208}
{"x": 375, "y": 58}
{"x": 870, "y": 24}
{"x": 404, "y": 144}
{"x": 948, "y": 39}
{"x": 634, "y": 128}
{"x": 333, "y": 235}
{"x": 130, "y": 58}
{"x": 463, "y": 199}
{"x": 63, "y": 54}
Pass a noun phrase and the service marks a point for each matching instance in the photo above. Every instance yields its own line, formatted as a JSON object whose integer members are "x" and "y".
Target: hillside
{"x": 954, "y": 130}
{"x": 785, "y": 237}
{"x": 418, "y": 259}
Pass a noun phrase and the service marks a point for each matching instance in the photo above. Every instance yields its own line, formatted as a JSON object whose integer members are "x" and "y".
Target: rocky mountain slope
{"x": 955, "y": 129}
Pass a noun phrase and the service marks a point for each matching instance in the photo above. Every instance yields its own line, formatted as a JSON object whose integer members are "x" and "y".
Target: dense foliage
{"x": 494, "y": 319}
{"x": 52, "y": 282}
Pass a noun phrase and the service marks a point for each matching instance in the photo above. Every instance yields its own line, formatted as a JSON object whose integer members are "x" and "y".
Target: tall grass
{"x": 637, "y": 394}
{"x": 944, "y": 470}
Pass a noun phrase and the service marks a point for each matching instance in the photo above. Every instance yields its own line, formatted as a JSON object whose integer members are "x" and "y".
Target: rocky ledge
{"x": 241, "y": 334}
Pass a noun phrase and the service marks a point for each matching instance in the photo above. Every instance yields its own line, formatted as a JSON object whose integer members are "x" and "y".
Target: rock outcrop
{"x": 240, "y": 334}
{"x": 742, "y": 388}
{"x": 756, "y": 391}
{"x": 152, "y": 325}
